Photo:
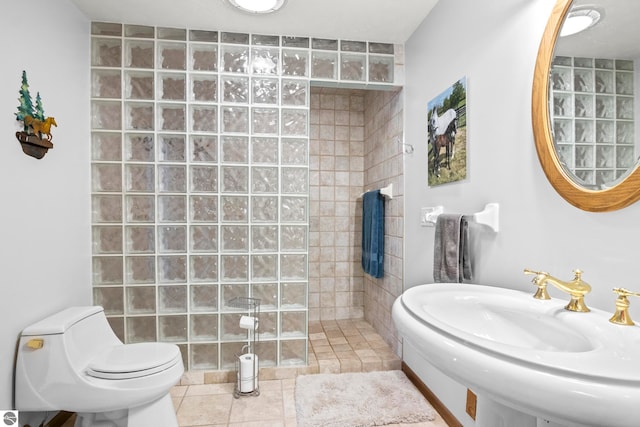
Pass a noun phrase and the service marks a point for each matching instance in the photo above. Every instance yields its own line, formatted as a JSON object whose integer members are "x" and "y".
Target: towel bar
{"x": 489, "y": 216}
{"x": 385, "y": 191}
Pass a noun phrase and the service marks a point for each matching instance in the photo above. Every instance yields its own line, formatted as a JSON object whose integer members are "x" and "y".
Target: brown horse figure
{"x": 41, "y": 127}
{"x": 445, "y": 140}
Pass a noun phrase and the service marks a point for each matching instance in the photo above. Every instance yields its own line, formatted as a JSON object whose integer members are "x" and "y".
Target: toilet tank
{"x": 85, "y": 332}
{"x": 68, "y": 341}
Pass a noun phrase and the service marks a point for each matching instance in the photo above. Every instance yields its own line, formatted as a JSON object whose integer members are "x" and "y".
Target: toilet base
{"x": 160, "y": 413}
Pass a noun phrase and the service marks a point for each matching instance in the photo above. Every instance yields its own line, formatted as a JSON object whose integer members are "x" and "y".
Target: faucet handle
{"x": 621, "y": 316}
{"x": 540, "y": 280}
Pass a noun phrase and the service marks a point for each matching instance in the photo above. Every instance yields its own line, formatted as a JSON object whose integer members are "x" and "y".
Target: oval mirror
{"x": 583, "y": 104}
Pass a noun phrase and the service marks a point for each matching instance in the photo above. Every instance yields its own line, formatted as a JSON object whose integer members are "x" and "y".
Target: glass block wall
{"x": 592, "y": 108}
{"x": 200, "y": 183}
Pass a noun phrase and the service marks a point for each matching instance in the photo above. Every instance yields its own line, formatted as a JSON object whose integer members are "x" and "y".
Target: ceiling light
{"x": 579, "y": 20}
{"x": 258, "y": 6}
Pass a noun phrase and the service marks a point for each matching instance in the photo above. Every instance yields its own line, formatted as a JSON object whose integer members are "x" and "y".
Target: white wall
{"x": 494, "y": 44}
{"x": 45, "y": 251}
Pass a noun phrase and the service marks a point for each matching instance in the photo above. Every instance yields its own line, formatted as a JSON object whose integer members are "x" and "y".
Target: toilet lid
{"x": 134, "y": 360}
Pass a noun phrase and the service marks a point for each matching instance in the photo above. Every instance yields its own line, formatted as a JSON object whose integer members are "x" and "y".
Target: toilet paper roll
{"x": 248, "y": 372}
{"x": 249, "y": 322}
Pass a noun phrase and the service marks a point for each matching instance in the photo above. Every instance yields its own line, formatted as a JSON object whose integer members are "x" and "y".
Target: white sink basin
{"x": 489, "y": 316}
{"x": 532, "y": 355}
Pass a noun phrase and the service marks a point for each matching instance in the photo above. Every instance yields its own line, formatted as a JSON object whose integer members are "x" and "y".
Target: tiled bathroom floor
{"x": 335, "y": 347}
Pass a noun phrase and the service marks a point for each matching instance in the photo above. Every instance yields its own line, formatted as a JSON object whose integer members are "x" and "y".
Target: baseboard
{"x": 446, "y": 415}
{"x": 59, "y": 419}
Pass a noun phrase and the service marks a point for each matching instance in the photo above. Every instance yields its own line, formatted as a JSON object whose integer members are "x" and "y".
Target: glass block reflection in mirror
{"x": 593, "y": 117}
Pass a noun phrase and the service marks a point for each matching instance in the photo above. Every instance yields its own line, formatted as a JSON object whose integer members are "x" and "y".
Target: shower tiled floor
{"x": 206, "y": 400}
{"x": 335, "y": 347}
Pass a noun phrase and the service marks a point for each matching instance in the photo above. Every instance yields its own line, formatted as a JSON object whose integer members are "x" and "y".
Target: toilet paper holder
{"x": 247, "y": 361}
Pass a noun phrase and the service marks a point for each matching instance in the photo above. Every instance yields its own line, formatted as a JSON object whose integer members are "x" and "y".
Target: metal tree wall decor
{"x": 35, "y": 137}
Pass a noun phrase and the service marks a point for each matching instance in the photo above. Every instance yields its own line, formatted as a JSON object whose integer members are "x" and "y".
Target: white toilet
{"x": 73, "y": 361}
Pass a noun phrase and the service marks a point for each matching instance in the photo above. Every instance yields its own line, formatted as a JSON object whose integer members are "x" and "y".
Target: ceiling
{"x": 615, "y": 36}
{"x": 388, "y": 21}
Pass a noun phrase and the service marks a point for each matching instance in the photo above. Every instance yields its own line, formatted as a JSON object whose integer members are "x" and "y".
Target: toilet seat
{"x": 133, "y": 361}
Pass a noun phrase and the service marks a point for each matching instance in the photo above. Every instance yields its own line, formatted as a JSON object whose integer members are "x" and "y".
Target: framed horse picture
{"x": 447, "y": 135}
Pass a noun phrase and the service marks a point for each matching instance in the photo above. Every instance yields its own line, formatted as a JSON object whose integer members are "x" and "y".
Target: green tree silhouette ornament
{"x": 26, "y": 104}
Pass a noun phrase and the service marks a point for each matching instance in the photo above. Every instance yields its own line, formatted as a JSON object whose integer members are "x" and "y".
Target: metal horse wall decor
{"x": 35, "y": 137}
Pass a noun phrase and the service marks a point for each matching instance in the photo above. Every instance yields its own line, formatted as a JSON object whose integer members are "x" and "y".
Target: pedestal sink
{"x": 531, "y": 356}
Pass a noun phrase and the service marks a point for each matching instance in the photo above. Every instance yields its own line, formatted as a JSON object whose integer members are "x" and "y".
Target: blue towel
{"x": 373, "y": 233}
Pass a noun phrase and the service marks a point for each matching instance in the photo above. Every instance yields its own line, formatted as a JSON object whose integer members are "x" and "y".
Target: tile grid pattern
{"x": 335, "y": 346}
{"x": 336, "y": 181}
{"x": 383, "y": 164}
{"x": 208, "y": 405}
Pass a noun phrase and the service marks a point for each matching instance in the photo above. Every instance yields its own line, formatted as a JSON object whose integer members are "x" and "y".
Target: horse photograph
{"x": 447, "y": 135}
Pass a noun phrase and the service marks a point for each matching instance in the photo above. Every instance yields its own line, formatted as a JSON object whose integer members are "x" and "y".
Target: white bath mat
{"x": 359, "y": 399}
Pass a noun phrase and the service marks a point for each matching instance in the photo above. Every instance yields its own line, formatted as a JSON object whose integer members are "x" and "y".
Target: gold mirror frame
{"x": 610, "y": 199}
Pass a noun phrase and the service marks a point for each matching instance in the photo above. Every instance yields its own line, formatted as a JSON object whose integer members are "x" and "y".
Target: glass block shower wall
{"x": 200, "y": 190}
{"x": 200, "y": 183}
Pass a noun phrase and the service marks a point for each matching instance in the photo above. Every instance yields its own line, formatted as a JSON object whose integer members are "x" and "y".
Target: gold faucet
{"x": 621, "y": 316}
{"x": 577, "y": 288}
